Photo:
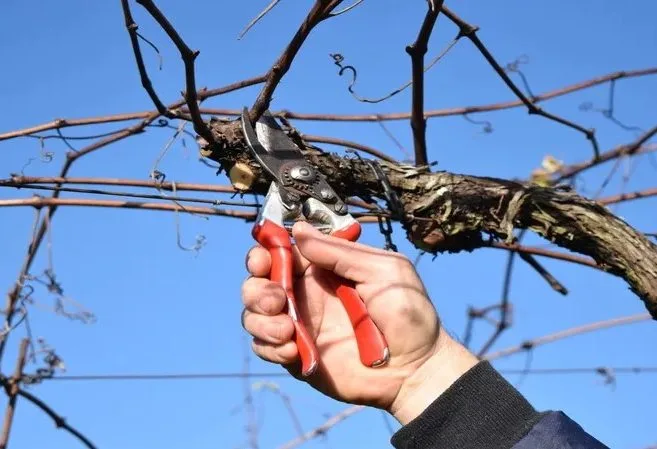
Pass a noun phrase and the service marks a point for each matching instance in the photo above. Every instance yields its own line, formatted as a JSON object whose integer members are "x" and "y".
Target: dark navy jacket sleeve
{"x": 484, "y": 411}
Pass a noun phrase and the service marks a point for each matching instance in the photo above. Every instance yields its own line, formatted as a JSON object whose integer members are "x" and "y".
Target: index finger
{"x": 347, "y": 259}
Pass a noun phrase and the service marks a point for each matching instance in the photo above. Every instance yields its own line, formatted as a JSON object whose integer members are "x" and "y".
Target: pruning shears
{"x": 299, "y": 191}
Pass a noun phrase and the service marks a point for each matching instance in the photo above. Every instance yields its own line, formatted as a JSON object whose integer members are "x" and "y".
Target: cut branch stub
{"x": 449, "y": 212}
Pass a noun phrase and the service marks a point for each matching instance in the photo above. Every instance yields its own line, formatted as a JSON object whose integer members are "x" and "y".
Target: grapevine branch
{"x": 320, "y": 10}
{"x": 551, "y": 338}
{"x": 12, "y": 388}
{"x": 447, "y": 211}
{"x": 39, "y": 202}
{"x": 629, "y": 149}
{"x": 470, "y": 32}
{"x": 188, "y": 57}
{"x": 132, "y": 28}
{"x": 437, "y": 113}
{"x": 59, "y": 421}
{"x": 71, "y": 158}
{"x": 417, "y": 51}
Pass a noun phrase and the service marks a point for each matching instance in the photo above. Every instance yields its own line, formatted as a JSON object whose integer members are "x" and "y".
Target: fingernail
{"x": 300, "y": 226}
{"x": 308, "y": 228}
{"x": 303, "y": 224}
{"x": 246, "y": 261}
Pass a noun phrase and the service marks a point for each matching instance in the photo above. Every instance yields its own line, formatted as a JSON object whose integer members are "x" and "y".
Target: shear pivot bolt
{"x": 326, "y": 194}
{"x": 302, "y": 174}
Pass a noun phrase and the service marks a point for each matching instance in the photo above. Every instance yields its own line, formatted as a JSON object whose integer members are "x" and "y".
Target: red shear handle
{"x": 277, "y": 241}
{"x": 372, "y": 345}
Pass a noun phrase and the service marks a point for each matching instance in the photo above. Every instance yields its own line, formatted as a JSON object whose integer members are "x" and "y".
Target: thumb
{"x": 347, "y": 259}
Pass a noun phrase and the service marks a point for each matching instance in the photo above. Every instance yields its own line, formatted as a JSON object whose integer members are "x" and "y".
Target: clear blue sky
{"x": 164, "y": 310}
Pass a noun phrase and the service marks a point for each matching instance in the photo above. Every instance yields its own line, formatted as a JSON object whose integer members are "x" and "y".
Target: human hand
{"x": 424, "y": 359}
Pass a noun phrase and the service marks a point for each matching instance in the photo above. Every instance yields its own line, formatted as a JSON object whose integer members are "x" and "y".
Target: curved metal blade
{"x": 261, "y": 154}
{"x": 273, "y": 138}
{"x": 277, "y": 153}
{"x": 270, "y": 145}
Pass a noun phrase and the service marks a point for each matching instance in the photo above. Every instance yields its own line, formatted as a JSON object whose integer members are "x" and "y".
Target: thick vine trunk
{"x": 449, "y": 212}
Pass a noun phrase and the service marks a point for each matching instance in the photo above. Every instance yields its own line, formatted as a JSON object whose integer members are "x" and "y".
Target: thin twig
{"x": 346, "y": 9}
{"x": 394, "y": 140}
{"x": 132, "y": 28}
{"x": 60, "y": 422}
{"x": 449, "y": 112}
{"x": 504, "y": 321}
{"x": 629, "y": 149}
{"x": 287, "y": 402}
{"x": 470, "y": 32}
{"x": 188, "y": 57}
{"x": 24, "y": 181}
{"x": 319, "y": 11}
{"x": 161, "y": 185}
{"x": 322, "y": 429}
{"x": 417, "y": 51}
{"x": 12, "y": 387}
{"x": 71, "y": 158}
{"x": 37, "y": 201}
{"x": 647, "y": 193}
{"x": 14, "y": 293}
{"x": 348, "y": 144}
{"x": 204, "y": 94}
{"x": 252, "y": 423}
{"x": 551, "y": 338}
{"x": 549, "y": 278}
{"x": 504, "y": 306}
{"x": 257, "y": 18}
{"x": 536, "y": 251}
{"x": 137, "y": 195}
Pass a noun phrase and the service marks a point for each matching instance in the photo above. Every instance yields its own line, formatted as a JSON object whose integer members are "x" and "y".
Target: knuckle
{"x": 398, "y": 263}
{"x": 262, "y": 296}
{"x": 283, "y": 329}
{"x": 270, "y": 353}
{"x": 261, "y": 350}
{"x": 267, "y": 329}
{"x": 247, "y": 322}
{"x": 248, "y": 288}
{"x": 275, "y": 331}
{"x": 261, "y": 328}
{"x": 345, "y": 265}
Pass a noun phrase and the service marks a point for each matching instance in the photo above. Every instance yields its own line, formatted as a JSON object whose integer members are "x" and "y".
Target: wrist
{"x": 446, "y": 365}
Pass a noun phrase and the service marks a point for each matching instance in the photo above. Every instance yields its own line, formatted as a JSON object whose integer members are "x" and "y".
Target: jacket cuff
{"x": 480, "y": 410}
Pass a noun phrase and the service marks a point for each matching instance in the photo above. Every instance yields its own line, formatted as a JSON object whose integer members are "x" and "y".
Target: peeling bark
{"x": 449, "y": 212}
